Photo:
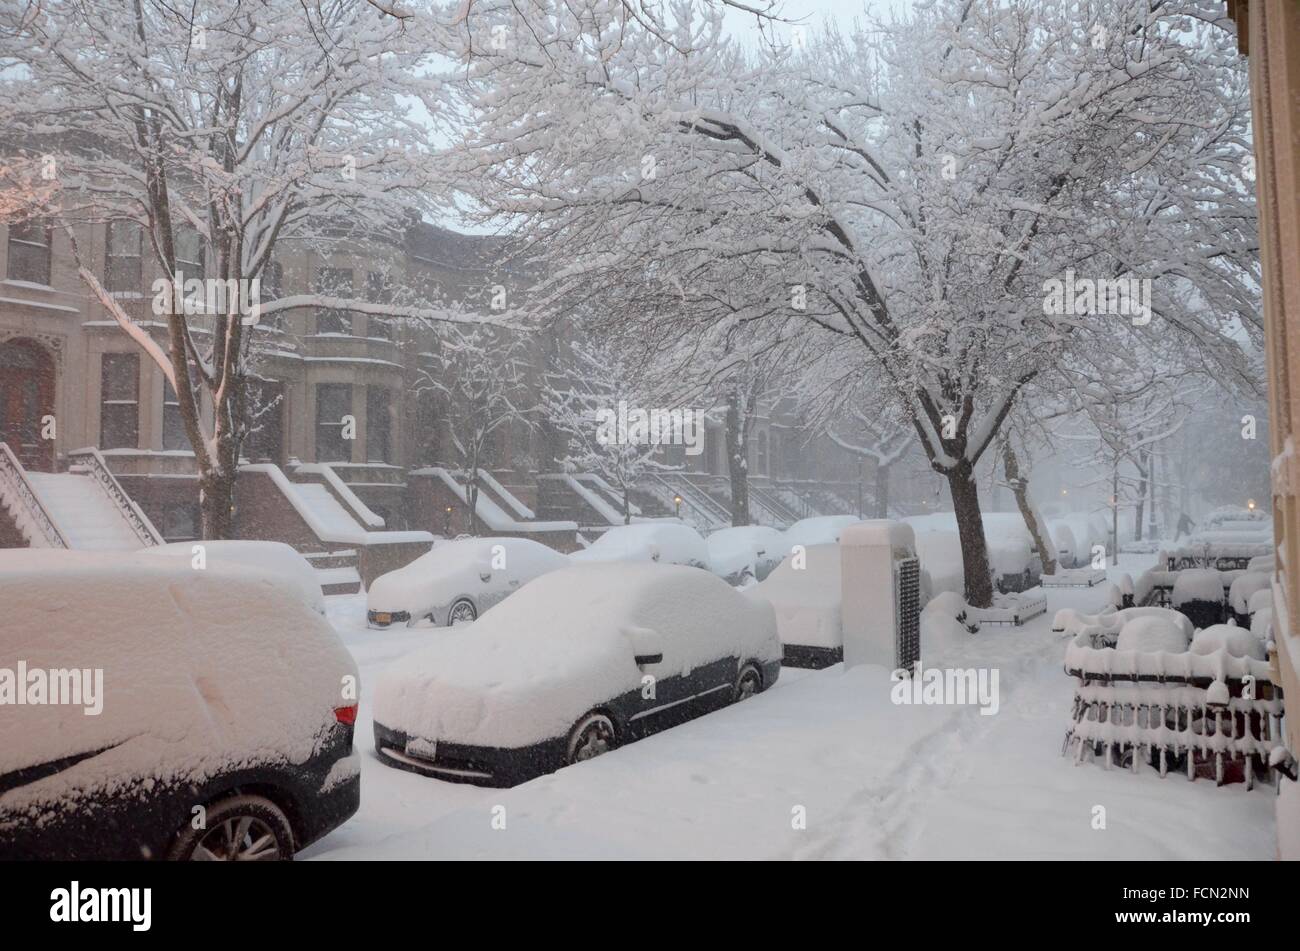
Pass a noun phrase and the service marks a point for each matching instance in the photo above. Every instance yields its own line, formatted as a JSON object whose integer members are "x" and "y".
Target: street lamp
{"x": 1250, "y": 504}
{"x": 446, "y": 522}
{"x": 677, "y": 503}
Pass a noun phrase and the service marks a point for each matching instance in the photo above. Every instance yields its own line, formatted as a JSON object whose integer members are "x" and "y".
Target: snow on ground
{"x": 875, "y": 780}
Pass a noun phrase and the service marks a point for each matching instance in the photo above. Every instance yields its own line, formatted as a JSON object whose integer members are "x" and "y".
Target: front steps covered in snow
{"x": 318, "y": 515}
{"x": 84, "y": 507}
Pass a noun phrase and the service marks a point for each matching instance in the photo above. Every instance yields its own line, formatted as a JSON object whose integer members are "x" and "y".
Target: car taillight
{"x": 346, "y": 715}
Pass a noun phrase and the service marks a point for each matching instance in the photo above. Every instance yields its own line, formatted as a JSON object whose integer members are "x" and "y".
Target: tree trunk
{"x": 882, "y": 491}
{"x": 970, "y": 529}
{"x": 738, "y": 459}
{"x": 1037, "y": 529}
{"x": 1144, "y": 467}
{"x": 627, "y": 505}
{"x": 1114, "y": 516}
{"x": 217, "y": 504}
{"x": 1152, "y": 524}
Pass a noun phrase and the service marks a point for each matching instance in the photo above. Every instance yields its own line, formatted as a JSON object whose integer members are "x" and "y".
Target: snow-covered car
{"x": 745, "y": 553}
{"x": 167, "y": 694}
{"x": 666, "y": 542}
{"x": 804, "y": 591}
{"x": 1012, "y": 556}
{"x": 458, "y": 581}
{"x": 579, "y": 662}
{"x": 271, "y": 557}
{"x": 819, "y": 530}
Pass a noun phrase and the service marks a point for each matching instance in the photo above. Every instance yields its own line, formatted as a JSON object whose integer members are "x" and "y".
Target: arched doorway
{"x": 26, "y": 397}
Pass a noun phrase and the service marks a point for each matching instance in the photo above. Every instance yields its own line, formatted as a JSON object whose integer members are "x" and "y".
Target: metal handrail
{"x": 98, "y": 470}
{"x": 20, "y": 490}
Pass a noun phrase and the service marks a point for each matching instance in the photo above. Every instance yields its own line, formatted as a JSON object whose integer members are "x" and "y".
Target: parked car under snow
{"x": 248, "y": 714}
{"x": 269, "y": 557}
{"x": 578, "y": 663}
{"x": 457, "y": 581}
{"x": 745, "y": 553}
{"x": 665, "y": 542}
{"x": 804, "y": 593}
{"x": 819, "y": 530}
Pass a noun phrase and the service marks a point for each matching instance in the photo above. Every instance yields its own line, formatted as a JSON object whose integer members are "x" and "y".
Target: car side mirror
{"x": 485, "y": 576}
{"x": 647, "y": 645}
{"x": 654, "y": 552}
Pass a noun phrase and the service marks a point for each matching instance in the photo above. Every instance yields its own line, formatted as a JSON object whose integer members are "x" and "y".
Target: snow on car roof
{"x": 526, "y": 670}
{"x": 268, "y": 556}
{"x": 189, "y": 686}
{"x": 677, "y": 543}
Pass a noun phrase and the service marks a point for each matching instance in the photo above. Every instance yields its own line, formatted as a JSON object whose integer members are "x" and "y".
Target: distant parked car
{"x": 271, "y": 557}
{"x": 668, "y": 543}
{"x": 221, "y": 712}
{"x": 805, "y": 594}
{"x": 458, "y": 581}
{"x": 745, "y": 553}
{"x": 820, "y": 530}
{"x": 578, "y": 663}
{"x": 1012, "y": 556}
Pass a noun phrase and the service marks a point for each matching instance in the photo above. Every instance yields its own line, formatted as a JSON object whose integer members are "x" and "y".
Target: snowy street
{"x": 875, "y": 780}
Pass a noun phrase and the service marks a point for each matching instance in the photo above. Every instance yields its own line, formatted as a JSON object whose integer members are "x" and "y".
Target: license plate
{"x": 421, "y": 748}
{"x": 383, "y": 617}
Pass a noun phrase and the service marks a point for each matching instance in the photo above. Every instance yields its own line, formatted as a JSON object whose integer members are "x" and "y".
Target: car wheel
{"x": 748, "y": 683}
{"x": 462, "y": 612}
{"x": 237, "y": 829}
{"x": 593, "y": 736}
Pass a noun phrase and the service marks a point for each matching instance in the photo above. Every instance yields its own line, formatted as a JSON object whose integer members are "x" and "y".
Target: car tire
{"x": 591, "y": 736}
{"x": 748, "y": 683}
{"x": 237, "y": 830}
{"x": 466, "y": 611}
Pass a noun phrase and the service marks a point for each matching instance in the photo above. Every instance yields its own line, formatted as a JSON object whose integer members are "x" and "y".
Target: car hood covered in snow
{"x": 528, "y": 670}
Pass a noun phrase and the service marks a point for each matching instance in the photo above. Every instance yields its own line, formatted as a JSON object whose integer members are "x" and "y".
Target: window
{"x": 189, "y": 253}
{"x": 122, "y": 266}
{"x": 29, "y": 252}
{"x": 378, "y": 292}
{"x": 762, "y": 453}
{"x": 173, "y": 435}
{"x": 264, "y": 441}
{"x": 379, "y": 424}
{"x": 333, "y": 402}
{"x": 333, "y": 282}
{"x": 119, "y": 413}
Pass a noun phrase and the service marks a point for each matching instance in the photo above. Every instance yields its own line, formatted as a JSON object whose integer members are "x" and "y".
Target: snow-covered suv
{"x": 149, "y": 709}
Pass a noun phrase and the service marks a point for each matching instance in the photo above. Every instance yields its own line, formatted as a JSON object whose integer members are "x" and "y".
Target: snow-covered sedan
{"x": 156, "y": 696}
{"x": 578, "y": 663}
{"x": 458, "y": 581}
{"x": 665, "y": 542}
{"x": 804, "y": 592}
{"x": 743, "y": 554}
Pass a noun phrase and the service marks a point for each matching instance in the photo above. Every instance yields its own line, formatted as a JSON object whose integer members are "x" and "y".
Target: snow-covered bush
{"x": 1237, "y": 641}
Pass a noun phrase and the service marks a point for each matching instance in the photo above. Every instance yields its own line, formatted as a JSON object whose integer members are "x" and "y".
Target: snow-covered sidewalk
{"x": 825, "y": 765}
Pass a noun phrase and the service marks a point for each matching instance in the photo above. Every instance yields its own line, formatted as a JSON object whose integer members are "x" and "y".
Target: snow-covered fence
{"x": 1208, "y": 713}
